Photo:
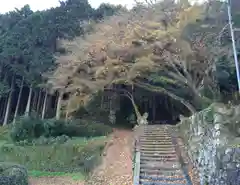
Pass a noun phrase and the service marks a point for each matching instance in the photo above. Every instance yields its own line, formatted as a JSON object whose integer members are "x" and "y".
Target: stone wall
{"x": 213, "y": 142}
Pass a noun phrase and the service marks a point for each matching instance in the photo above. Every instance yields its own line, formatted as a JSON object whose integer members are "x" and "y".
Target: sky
{"x": 9, "y": 5}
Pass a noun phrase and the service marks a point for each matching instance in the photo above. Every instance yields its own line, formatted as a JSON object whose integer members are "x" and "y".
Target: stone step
{"x": 158, "y": 149}
{"x": 163, "y": 146}
{"x": 150, "y": 159}
{"x": 159, "y": 145}
{"x": 162, "y": 178}
{"x": 154, "y": 163}
{"x": 158, "y": 152}
{"x": 156, "y": 136}
{"x": 161, "y": 172}
{"x": 155, "y": 155}
{"x": 160, "y": 183}
{"x": 156, "y": 141}
{"x": 156, "y": 144}
{"x": 160, "y": 166}
{"x": 156, "y": 133}
{"x": 155, "y": 129}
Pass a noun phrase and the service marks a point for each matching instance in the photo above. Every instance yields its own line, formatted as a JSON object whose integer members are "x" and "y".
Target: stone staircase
{"x": 158, "y": 160}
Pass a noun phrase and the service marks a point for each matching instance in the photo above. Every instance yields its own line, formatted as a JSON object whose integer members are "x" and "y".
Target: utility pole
{"x": 233, "y": 42}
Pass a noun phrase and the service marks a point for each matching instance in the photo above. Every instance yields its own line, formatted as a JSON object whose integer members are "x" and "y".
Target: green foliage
{"x": 4, "y": 133}
{"x": 84, "y": 128}
{"x": 27, "y": 129}
{"x": 4, "y": 89}
{"x": 44, "y": 141}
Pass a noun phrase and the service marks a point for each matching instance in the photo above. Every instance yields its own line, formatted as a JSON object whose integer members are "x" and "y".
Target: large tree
{"x": 144, "y": 47}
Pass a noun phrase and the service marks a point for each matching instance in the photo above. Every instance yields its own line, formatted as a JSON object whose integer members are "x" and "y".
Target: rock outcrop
{"x": 213, "y": 143}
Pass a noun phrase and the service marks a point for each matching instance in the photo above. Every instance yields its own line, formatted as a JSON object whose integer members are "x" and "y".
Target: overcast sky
{"x": 9, "y": 5}
{"x": 45, "y": 4}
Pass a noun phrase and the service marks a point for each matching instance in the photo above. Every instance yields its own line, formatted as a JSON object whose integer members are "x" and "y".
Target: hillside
{"x": 29, "y": 43}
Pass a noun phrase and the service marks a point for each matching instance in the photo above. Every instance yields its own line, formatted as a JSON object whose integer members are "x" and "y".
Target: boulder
{"x": 13, "y": 174}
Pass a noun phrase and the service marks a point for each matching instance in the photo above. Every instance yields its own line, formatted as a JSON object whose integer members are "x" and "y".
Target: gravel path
{"x": 116, "y": 168}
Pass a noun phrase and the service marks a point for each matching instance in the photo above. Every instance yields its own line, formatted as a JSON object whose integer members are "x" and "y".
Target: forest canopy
{"x": 28, "y": 43}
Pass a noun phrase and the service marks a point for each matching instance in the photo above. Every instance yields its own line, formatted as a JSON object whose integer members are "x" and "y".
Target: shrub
{"x": 53, "y": 127}
{"x": 12, "y": 174}
{"x": 4, "y": 133}
{"x": 87, "y": 129}
{"x": 44, "y": 141}
{"x": 29, "y": 129}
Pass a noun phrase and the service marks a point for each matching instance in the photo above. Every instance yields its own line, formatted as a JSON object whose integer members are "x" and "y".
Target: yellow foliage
{"x": 125, "y": 46}
{"x": 189, "y": 15}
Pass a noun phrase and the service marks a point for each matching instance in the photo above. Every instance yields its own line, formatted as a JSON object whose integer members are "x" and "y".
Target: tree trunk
{"x": 39, "y": 101}
{"x": 3, "y": 105}
{"x": 59, "y": 104}
{"x": 154, "y": 108}
{"x": 44, "y": 105}
{"x": 131, "y": 98}
{"x": 4, "y": 109}
{"x": 18, "y": 101}
{"x": 67, "y": 109}
{"x": 9, "y": 103}
{"x": 27, "y": 110}
{"x": 35, "y": 96}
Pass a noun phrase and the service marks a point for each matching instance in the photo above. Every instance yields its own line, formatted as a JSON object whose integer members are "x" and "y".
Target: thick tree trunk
{"x": 18, "y": 101}
{"x": 44, "y": 105}
{"x": 9, "y": 103}
{"x": 27, "y": 110}
{"x": 59, "y": 104}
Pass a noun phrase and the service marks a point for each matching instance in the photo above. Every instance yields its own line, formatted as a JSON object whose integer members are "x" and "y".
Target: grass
{"x": 74, "y": 158}
{"x": 68, "y": 157}
{"x": 73, "y": 176}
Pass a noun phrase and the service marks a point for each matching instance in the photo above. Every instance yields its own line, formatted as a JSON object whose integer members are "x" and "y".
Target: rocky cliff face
{"x": 213, "y": 143}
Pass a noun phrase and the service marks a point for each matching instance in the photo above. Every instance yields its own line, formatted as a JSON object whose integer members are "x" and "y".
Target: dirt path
{"x": 116, "y": 168}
